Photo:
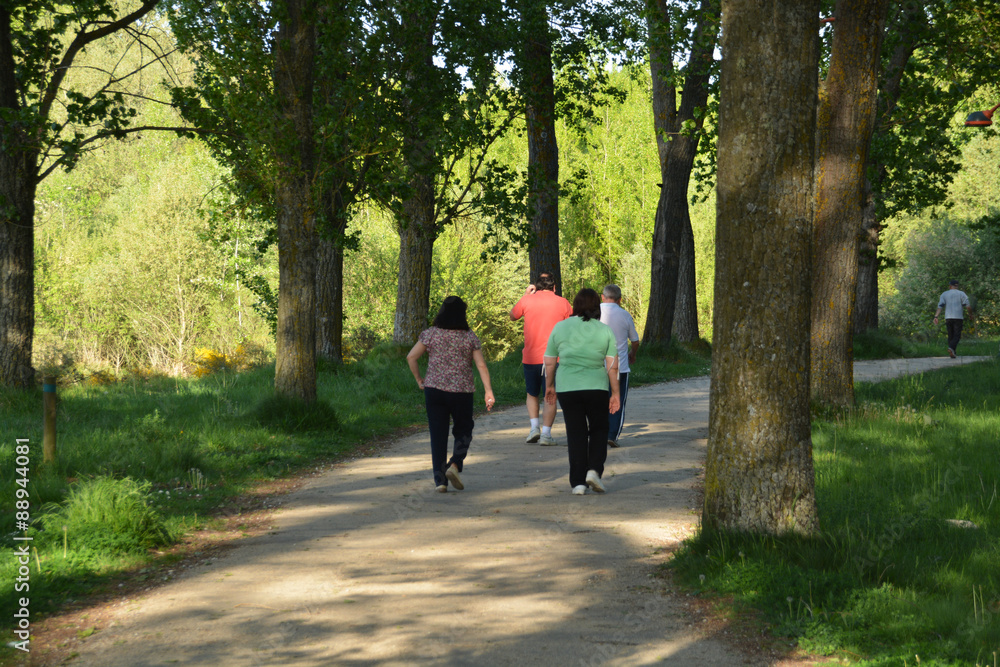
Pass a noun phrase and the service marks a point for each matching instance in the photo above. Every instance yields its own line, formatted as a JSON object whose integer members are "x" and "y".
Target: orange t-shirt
{"x": 541, "y": 311}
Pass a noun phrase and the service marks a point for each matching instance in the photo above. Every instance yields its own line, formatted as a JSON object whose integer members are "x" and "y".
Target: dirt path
{"x": 367, "y": 565}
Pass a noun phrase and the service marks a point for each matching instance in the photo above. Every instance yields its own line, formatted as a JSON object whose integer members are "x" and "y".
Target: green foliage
{"x": 67, "y": 115}
{"x": 937, "y": 251}
{"x": 894, "y": 572}
{"x": 106, "y": 514}
{"x": 490, "y": 288}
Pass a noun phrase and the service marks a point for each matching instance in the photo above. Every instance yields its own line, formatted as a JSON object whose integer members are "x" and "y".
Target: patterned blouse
{"x": 449, "y": 363}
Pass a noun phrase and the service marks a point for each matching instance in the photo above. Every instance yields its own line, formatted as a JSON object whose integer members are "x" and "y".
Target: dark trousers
{"x": 442, "y": 407}
{"x": 954, "y": 333}
{"x": 617, "y": 420}
{"x": 586, "y": 416}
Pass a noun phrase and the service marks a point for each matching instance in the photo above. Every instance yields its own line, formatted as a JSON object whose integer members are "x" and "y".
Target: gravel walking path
{"x": 368, "y": 565}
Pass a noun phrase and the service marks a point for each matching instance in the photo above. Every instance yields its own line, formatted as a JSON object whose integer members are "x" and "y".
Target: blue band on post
{"x": 49, "y": 388}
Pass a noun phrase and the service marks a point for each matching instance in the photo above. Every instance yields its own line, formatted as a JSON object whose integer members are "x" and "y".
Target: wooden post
{"x": 49, "y": 409}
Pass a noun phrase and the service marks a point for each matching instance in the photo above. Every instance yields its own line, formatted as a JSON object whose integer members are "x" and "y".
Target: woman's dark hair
{"x": 452, "y": 314}
{"x": 587, "y": 305}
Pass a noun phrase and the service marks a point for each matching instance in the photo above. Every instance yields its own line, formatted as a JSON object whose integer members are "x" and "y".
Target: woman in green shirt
{"x": 587, "y": 356}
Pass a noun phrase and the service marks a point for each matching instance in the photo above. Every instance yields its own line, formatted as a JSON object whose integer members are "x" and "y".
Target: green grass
{"x": 155, "y": 457}
{"x": 880, "y": 345}
{"x": 890, "y": 577}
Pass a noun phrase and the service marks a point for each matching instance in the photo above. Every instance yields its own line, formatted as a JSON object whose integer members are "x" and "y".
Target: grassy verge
{"x": 908, "y": 563}
{"x": 144, "y": 461}
{"x": 881, "y": 345}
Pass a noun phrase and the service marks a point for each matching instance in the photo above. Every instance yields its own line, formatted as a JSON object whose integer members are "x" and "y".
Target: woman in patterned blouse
{"x": 448, "y": 386}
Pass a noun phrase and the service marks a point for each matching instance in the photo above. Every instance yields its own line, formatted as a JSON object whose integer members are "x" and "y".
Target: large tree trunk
{"x": 416, "y": 254}
{"x": 543, "y": 152}
{"x": 295, "y": 368}
{"x": 866, "y": 292}
{"x": 759, "y": 471}
{"x": 845, "y": 123}
{"x": 686, "y": 308}
{"x": 18, "y": 173}
{"x": 677, "y": 150}
{"x": 330, "y": 297}
{"x": 417, "y": 223}
{"x": 911, "y": 22}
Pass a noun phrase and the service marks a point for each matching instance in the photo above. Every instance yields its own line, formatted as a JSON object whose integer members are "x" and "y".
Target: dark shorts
{"x": 534, "y": 381}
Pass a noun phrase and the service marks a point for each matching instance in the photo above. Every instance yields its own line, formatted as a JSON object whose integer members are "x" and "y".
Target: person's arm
{"x": 415, "y": 353}
{"x": 632, "y": 351}
{"x": 938, "y": 311}
{"x": 484, "y": 375}
{"x": 614, "y": 403}
{"x": 518, "y": 310}
{"x": 550, "y": 380}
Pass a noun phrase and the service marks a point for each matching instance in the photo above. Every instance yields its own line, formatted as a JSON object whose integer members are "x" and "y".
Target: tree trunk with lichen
{"x": 295, "y": 366}
{"x": 845, "y": 122}
{"x": 759, "y": 471}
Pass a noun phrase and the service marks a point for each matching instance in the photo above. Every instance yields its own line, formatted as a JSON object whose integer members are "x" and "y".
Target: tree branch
{"x": 82, "y": 39}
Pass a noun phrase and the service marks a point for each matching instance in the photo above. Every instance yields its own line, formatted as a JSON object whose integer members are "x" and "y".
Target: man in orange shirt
{"x": 541, "y": 309}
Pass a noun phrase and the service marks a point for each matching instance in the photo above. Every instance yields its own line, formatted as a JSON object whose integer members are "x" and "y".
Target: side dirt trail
{"x": 368, "y": 565}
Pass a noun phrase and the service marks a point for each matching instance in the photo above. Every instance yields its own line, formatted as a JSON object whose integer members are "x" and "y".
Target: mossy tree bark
{"x": 677, "y": 135}
{"x": 295, "y": 42}
{"x": 846, "y": 120}
{"x": 759, "y": 473}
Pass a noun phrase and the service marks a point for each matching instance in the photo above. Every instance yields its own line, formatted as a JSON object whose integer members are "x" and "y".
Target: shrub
{"x": 107, "y": 514}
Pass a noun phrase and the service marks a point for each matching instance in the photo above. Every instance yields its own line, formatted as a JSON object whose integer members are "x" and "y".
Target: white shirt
{"x": 952, "y": 301}
{"x": 623, "y": 325}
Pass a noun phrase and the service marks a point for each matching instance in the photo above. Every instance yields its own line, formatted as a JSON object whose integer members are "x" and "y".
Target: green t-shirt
{"x": 581, "y": 348}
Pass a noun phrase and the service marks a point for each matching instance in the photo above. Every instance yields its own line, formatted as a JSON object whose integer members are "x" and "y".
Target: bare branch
{"x": 82, "y": 39}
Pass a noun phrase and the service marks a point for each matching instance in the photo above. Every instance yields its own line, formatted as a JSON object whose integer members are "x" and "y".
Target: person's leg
{"x": 957, "y": 335}
{"x": 437, "y": 422}
{"x": 548, "y": 415}
{"x": 616, "y": 421}
{"x": 575, "y": 416}
{"x": 534, "y": 388}
{"x": 954, "y": 327}
{"x": 461, "y": 414}
{"x": 596, "y": 409}
{"x": 532, "y": 403}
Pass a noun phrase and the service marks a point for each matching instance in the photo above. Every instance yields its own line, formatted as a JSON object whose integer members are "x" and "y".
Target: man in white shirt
{"x": 953, "y": 300}
{"x": 623, "y": 325}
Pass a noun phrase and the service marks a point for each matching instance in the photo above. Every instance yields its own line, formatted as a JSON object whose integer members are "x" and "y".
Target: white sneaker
{"x": 452, "y": 474}
{"x": 533, "y": 435}
{"x": 579, "y": 490}
{"x": 442, "y": 488}
{"x": 547, "y": 440}
{"x": 594, "y": 481}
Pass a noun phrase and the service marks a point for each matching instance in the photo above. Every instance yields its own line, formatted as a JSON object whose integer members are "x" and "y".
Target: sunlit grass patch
{"x": 908, "y": 562}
